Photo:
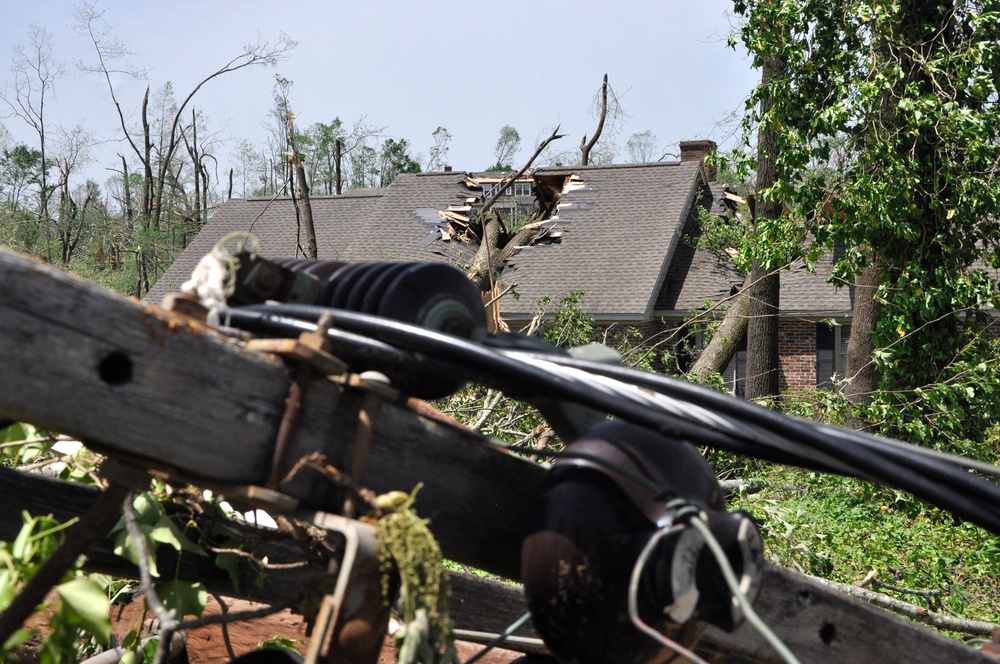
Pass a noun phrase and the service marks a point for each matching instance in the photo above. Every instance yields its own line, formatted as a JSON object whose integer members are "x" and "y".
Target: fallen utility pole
{"x": 152, "y": 389}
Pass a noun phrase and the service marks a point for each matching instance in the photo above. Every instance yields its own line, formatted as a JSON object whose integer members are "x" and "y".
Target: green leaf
{"x": 126, "y": 549}
{"x": 167, "y": 532}
{"x": 87, "y": 604}
{"x": 185, "y": 597}
{"x": 16, "y": 432}
{"x": 148, "y": 509}
{"x": 230, "y": 562}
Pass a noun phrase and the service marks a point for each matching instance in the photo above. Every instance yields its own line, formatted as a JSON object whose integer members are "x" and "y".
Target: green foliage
{"x": 568, "y": 325}
{"x": 508, "y": 143}
{"x": 82, "y": 616}
{"x": 841, "y": 529}
{"x": 157, "y": 529}
{"x": 395, "y": 158}
{"x": 886, "y": 121}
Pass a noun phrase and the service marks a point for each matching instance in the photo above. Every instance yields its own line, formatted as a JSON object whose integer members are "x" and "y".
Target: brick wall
{"x": 797, "y": 349}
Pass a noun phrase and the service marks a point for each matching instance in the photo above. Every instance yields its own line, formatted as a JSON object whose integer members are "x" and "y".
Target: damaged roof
{"x": 616, "y": 234}
{"x": 620, "y": 225}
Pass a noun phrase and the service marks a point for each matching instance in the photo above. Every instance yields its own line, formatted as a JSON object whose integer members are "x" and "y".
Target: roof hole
{"x": 115, "y": 369}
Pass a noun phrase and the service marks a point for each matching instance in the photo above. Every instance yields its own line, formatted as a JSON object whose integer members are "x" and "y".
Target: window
{"x": 831, "y": 353}
{"x": 735, "y": 375}
{"x": 522, "y": 189}
{"x": 518, "y": 189}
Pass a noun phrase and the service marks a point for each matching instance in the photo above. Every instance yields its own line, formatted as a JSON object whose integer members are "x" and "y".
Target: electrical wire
{"x": 802, "y": 443}
{"x": 514, "y": 626}
{"x": 936, "y": 477}
{"x": 633, "y": 597}
{"x": 486, "y": 366}
{"x": 734, "y": 587}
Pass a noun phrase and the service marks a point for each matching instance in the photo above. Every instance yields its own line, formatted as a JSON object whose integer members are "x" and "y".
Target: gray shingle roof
{"x": 622, "y": 242}
{"x": 698, "y": 276}
{"x": 274, "y": 223}
{"x": 619, "y": 228}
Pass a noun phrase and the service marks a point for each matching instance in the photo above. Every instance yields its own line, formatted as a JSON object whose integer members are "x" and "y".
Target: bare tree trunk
{"x": 763, "y": 363}
{"x": 192, "y": 149}
{"x": 304, "y": 202}
{"x": 585, "y": 146}
{"x": 721, "y": 349}
{"x": 147, "y": 164}
{"x": 336, "y": 156}
{"x": 126, "y": 190}
{"x": 862, "y": 374}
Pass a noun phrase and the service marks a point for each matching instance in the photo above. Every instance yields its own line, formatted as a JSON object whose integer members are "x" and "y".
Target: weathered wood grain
{"x": 817, "y": 623}
{"x": 141, "y": 384}
{"x": 145, "y": 386}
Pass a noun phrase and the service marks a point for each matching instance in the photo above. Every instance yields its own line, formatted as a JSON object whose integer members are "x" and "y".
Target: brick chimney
{"x": 698, "y": 150}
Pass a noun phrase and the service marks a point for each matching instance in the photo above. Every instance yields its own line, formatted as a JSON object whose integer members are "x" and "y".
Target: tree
{"x": 911, "y": 89}
{"x": 394, "y": 158}
{"x": 508, "y": 145}
{"x": 763, "y": 362}
{"x": 437, "y": 157}
{"x": 642, "y": 147}
{"x": 610, "y": 116}
{"x": 20, "y": 168}
{"x": 71, "y": 222}
{"x": 114, "y": 58}
{"x": 319, "y": 145}
{"x": 35, "y": 70}
{"x": 20, "y": 172}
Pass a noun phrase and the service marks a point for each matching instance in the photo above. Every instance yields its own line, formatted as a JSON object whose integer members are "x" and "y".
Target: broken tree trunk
{"x": 303, "y": 203}
{"x": 587, "y": 146}
{"x": 490, "y": 256}
{"x": 721, "y": 349}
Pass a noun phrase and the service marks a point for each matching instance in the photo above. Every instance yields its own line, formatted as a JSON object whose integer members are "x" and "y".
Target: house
{"x": 621, "y": 234}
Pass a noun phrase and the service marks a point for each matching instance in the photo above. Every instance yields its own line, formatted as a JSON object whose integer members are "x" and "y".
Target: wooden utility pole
{"x": 151, "y": 389}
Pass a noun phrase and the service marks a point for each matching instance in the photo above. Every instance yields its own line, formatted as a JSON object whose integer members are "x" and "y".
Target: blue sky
{"x": 411, "y": 67}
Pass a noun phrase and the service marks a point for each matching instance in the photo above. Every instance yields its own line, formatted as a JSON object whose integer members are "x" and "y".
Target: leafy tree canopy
{"x": 887, "y": 121}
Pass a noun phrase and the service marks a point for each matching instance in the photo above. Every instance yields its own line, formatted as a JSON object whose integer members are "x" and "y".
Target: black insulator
{"x": 432, "y": 295}
{"x": 602, "y": 503}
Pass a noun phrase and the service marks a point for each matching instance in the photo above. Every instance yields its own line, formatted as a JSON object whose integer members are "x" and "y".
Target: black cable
{"x": 460, "y": 351}
{"x": 487, "y": 366}
{"x": 346, "y": 345}
{"x": 859, "y": 457}
{"x": 802, "y": 430}
{"x": 894, "y": 464}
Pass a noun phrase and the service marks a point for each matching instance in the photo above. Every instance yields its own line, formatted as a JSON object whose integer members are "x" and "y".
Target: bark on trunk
{"x": 305, "y": 205}
{"x": 863, "y": 376}
{"x": 490, "y": 257}
{"x": 722, "y": 348}
{"x": 763, "y": 367}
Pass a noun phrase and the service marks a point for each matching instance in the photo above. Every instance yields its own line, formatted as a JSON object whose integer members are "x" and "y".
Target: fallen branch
{"x": 918, "y": 613}
{"x": 490, "y": 256}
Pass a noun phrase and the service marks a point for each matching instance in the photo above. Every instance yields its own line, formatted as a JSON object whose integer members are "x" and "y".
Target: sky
{"x": 407, "y": 66}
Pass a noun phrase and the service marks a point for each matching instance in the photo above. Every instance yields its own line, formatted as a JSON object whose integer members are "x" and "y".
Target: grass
{"x": 842, "y": 529}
